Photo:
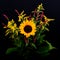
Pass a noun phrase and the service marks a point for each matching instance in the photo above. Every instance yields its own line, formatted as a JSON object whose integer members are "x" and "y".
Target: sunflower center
{"x": 27, "y": 29}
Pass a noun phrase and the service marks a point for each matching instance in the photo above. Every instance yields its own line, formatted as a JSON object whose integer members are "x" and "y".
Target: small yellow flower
{"x": 28, "y": 27}
{"x": 47, "y": 19}
{"x": 10, "y": 23}
{"x": 21, "y": 16}
{"x": 13, "y": 28}
{"x": 26, "y": 17}
{"x": 41, "y": 22}
{"x": 40, "y": 7}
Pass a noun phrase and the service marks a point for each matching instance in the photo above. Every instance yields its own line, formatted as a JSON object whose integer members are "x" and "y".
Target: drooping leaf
{"x": 50, "y": 46}
{"x": 10, "y": 50}
{"x": 44, "y": 50}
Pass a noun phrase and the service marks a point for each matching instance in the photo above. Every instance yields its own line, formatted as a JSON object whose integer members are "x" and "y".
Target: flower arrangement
{"x": 28, "y": 35}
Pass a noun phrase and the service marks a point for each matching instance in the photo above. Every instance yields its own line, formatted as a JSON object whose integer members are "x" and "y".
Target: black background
{"x": 52, "y": 10}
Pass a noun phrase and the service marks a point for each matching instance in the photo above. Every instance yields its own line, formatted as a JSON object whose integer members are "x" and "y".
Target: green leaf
{"x": 10, "y": 50}
{"x": 41, "y": 38}
{"x": 50, "y": 46}
{"x": 39, "y": 34}
{"x": 44, "y": 50}
{"x": 33, "y": 45}
{"x": 26, "y": 44}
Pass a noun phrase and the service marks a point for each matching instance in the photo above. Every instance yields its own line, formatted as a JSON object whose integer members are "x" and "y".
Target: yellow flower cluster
{"x": 28, "y": 26}
{"x": 21, "y": 16}
{"x": 27, "y": 33}
{"x": 12, "y": 27}
{"x": 45, "y": 22}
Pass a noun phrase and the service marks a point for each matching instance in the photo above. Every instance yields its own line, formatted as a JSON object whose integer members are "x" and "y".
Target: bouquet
{"x": 28, "y": 34}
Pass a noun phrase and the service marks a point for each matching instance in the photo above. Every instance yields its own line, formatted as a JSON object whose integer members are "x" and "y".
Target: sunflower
{"x": 27, "y": 27}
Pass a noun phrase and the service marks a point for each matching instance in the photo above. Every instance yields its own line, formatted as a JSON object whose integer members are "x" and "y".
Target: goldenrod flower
{"x": 21, "y": 16}
{"x": 27, "y": 28}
